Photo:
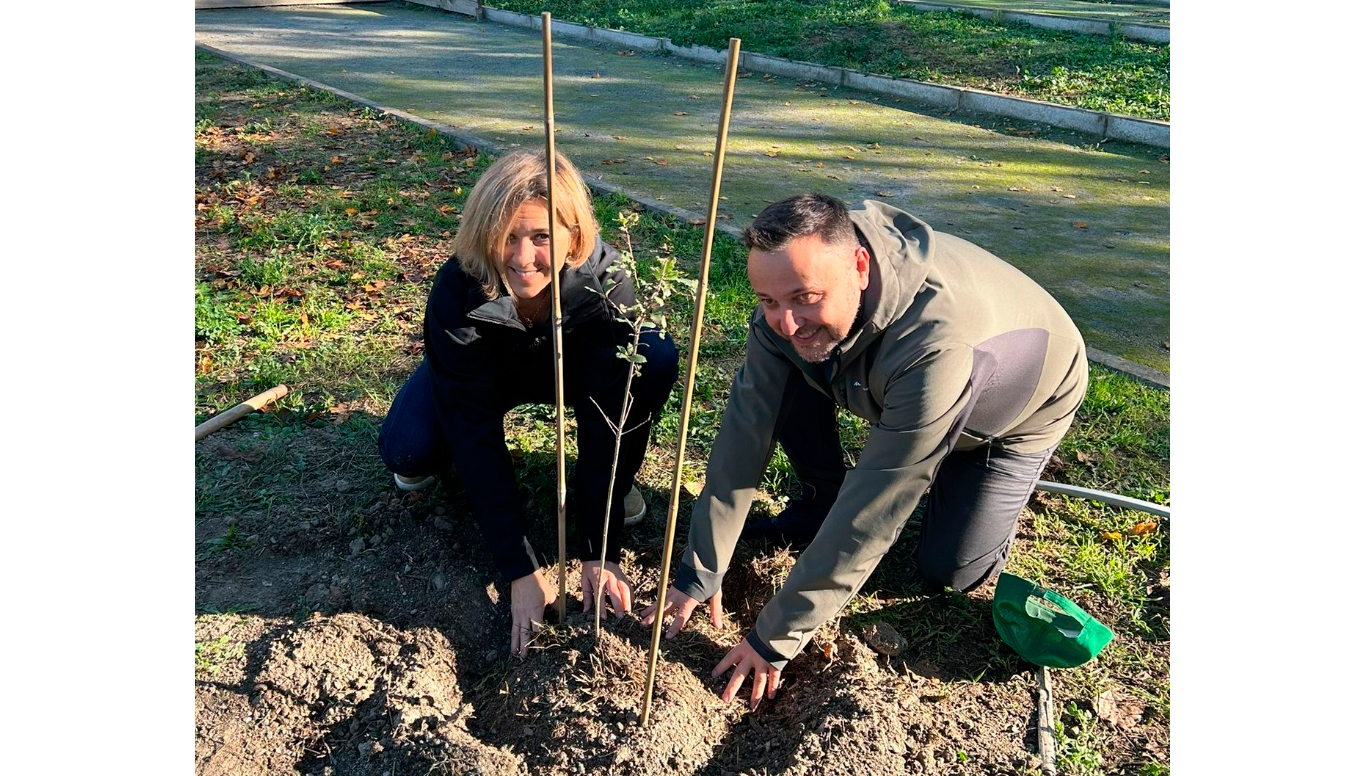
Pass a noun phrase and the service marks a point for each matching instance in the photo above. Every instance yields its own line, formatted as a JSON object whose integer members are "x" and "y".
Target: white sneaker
{"x": 413, "y": 483}
{"x": 633, "y": 506}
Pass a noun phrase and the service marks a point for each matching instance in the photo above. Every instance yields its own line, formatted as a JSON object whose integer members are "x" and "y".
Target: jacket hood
{"x": 892, "y": 285}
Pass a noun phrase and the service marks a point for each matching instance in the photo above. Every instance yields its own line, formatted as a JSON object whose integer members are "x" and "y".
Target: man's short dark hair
{"x": 800, "y": 216}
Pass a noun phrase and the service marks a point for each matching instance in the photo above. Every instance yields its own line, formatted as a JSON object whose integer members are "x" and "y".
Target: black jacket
{"x": 483, "y": 361}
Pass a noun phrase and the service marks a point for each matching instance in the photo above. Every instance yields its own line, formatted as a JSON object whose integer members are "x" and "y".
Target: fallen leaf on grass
{"x": 1080, "y": 224}
{"x": 1018, "y": 188}
{"x": 680, "y": 113}
{"x": 885, "y": 193}
{"x": 1142, "y": 528}
{"x": 332, "y": 131}
{"x": 249, "y": 157}
{"x": 1119, "y": 708}
{"x": 336, "y": 160}
{"x": 1111, "y": 536}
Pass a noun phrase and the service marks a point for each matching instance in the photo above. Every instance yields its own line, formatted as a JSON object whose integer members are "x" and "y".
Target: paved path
{"x": 1091, "y": 225}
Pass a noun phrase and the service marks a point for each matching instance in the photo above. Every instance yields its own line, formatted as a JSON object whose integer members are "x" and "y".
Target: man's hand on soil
{"x": 530, "y": 596}
{"x": 746, "y": 661}
{"x": 681, "y": 606}
{"x": 616, "y": 588}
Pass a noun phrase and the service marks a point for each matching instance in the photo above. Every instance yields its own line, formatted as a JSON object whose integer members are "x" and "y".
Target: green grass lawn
{"x": 320, "y": 225}
{"x": 1095, "y": 72}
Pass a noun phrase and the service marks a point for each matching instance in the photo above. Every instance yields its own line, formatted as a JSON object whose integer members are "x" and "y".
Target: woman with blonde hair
{"x": 488, "y": 349}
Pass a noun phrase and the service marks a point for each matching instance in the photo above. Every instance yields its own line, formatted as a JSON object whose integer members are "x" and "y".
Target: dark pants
{"x": 412, "y": 443}
{"x": 973, "y": 505}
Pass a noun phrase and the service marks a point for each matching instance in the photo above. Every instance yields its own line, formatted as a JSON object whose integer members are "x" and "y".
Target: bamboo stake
{"x": 218, "y": 422}
{"x": 1045, "y": 721}
{"x": 556, "y": 328}
{"x": 732, "y": 65}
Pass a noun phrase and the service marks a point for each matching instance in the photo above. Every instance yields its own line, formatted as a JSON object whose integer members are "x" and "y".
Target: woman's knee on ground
{"x": 657, "y": 376}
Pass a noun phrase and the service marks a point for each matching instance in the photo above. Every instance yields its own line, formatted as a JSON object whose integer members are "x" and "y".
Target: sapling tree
{"x": 648, "y": 313}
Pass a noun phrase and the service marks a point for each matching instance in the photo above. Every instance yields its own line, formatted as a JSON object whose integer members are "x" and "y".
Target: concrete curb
{"x": 468, "y": 141}
{"x": 1106, "y": 126}
{"x": 1150, "y": 33}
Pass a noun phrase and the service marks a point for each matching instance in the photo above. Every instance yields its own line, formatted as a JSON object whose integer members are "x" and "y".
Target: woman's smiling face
{"x": 523, "y": 257}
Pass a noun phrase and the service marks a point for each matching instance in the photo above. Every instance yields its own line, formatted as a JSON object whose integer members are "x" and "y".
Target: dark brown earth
{"x": 347, "y": 628}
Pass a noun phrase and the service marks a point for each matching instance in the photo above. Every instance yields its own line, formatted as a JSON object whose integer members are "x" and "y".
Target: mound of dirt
{"x": 365, "y": 633}
{"x": 343, "y": 694}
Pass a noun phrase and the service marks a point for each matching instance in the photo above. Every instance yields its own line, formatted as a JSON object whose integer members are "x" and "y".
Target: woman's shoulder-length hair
{"x": 513, "y": 179}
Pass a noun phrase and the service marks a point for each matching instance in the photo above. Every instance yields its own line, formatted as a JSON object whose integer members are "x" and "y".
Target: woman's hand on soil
{"x": 616, "y": 587}
{"x": 530, "y": 596}
{"x": 681, "y": 606}
{"x": 746, "y": 661}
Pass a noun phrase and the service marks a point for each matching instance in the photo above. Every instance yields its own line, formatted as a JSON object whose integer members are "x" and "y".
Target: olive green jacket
{"x": 957, "y": 349}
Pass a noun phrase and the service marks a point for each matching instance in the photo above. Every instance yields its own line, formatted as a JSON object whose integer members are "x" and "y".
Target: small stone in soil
{"x": 883, "y": 639}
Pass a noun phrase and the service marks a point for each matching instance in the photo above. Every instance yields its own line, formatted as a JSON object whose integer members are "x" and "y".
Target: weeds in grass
{"x": 1077, "y": 743}
{"x": 209, "y": 656}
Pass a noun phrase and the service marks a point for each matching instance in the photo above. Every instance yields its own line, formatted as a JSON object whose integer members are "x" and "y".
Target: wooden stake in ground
{"x": 556, "y": 329}
{"x": 1045, "y": 721}
{"x": 239, "y": 411}
{"x": 732, "y": 63}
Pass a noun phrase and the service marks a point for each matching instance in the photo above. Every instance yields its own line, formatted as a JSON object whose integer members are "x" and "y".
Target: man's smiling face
{"x": 810, "y": 292}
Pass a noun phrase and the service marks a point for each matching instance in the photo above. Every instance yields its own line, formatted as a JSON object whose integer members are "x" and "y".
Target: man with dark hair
{"x": 969, "y": 372}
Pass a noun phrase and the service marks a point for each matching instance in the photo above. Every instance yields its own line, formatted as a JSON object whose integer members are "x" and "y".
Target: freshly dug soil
{"x": 347, "y": 628}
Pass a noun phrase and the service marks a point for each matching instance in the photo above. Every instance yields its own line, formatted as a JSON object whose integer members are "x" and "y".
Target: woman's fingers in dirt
{"x": 718, "y": 620}
{"x": 521, "y": 638}
{"x": 619, "y": 590}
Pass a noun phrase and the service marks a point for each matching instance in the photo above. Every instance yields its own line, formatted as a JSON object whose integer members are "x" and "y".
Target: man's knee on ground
{"x": 937, "y": 573}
